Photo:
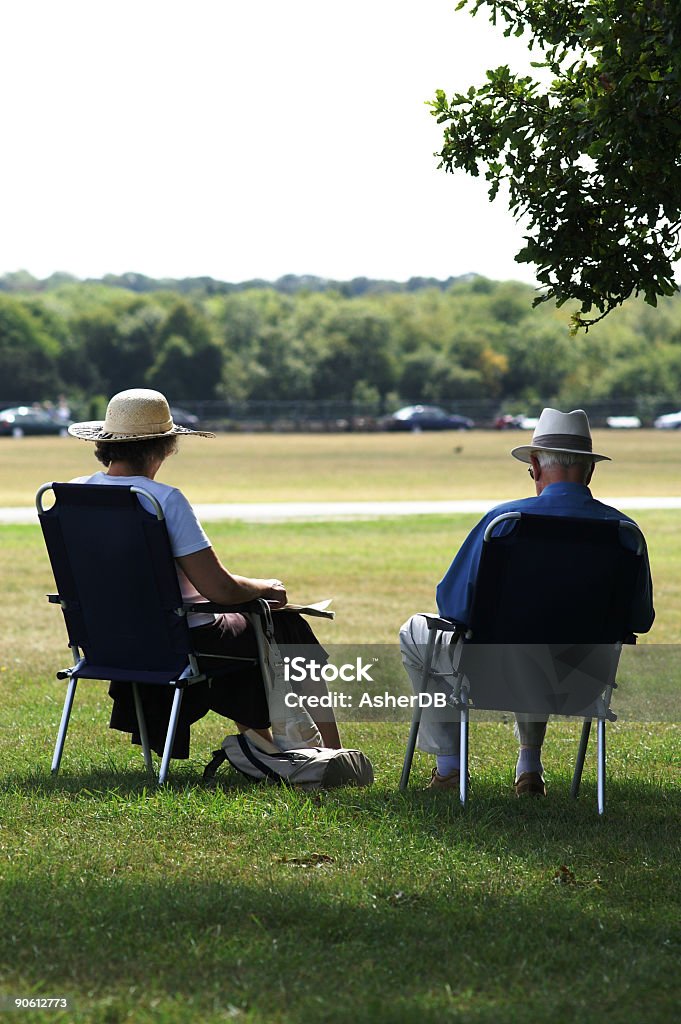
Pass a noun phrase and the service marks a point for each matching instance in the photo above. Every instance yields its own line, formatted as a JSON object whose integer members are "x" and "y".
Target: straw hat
{"x": 135, "y": 415}
{"x": 556, "y": 431}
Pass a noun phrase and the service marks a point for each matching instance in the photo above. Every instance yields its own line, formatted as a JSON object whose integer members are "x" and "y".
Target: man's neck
{"x": 557, "y": 478}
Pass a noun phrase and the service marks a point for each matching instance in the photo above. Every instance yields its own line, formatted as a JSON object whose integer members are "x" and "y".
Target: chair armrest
{"x": 201, "y": 606}
{"x": 212, "y": 606}
{"x": 256, "y": 607}
{"x": 446, "y": 625}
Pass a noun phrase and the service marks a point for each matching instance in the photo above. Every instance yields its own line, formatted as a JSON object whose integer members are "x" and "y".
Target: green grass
{"x": 267, "y": 905}
{"x": 271, "y": 906}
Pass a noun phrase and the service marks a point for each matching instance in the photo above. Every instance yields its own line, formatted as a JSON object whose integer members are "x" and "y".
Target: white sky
{"x": 243, "y": 138}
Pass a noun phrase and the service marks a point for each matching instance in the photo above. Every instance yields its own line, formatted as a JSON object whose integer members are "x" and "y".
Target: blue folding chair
{"x": 118, "y": 589}
{"x": 551, "y": 610}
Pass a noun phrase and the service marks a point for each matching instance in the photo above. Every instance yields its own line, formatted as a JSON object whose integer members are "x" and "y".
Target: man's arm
{"x": 642, "y": 611}
{"x": 205, "y": 571}
{"x": 456, "y": 590}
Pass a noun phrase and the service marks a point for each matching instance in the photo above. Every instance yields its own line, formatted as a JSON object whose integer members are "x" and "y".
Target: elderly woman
{"x": 133, "y": 442}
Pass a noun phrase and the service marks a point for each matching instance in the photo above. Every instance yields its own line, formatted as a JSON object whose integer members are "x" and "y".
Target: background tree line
{"x": 380, "y": 343}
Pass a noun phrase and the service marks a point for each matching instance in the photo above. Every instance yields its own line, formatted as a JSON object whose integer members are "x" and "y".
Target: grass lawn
{"x": 328, "y": 467}
{"x": 272, "y": 906}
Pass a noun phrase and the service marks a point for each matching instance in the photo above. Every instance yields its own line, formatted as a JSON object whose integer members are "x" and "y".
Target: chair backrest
{"x": 553, "y": 600}
{"x": 116, "y": 578}
{"x": 552, "y": 579}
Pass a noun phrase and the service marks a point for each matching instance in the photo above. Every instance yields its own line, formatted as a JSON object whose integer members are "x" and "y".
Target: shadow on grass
{"x": 396, "y": 926}
{"x": 486, "y": 794}
{"x": 301, "y": 952}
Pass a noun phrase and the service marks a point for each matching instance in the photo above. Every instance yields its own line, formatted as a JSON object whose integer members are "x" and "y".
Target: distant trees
{"x": 29, "y": 354}
{"x": 356, "y": 347}
{"x": 474, "y": 340}
{"x": 186, "y": 358}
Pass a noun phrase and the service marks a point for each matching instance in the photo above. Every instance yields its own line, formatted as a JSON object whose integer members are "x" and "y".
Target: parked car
{"x": 182, "y": 418}
{"x": 624, "y": 422}
{"x": 507, "y": 422}
{"x": 25, "y": 420}
{"x": 425, "y": 417}
{"x": 671, "y": 421}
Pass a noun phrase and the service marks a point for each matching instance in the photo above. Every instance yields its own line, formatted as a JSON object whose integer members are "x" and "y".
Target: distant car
{"x": 507, "y": 422}
{"x": 182, "y": 418}
{"x": 25, "y": 421}
{"x": 672, "y": 421}
{"x": 624, "y": 422}
{"x": 425, "y": 417}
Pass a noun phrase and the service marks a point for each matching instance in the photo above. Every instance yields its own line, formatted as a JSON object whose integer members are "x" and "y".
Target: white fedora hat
{"x": 556, "y": 431}
{"x": 135, "y": 415}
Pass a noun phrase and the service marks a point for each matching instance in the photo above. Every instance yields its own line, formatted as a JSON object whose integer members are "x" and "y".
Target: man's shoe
{"x": 530, "y": 784}
{"x": 451, "y": 781}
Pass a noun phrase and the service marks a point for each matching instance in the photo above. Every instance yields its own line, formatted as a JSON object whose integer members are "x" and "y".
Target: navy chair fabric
{"x": 556, "y": 579}
{"x": 114, "y": 568}
{"x": 118, "y": 588}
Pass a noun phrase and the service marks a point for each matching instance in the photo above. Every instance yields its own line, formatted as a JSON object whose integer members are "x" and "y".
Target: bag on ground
{"x": 308, "y": 767}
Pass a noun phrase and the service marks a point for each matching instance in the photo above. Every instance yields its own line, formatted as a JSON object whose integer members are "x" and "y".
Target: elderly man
{"x": 561, "y": 464}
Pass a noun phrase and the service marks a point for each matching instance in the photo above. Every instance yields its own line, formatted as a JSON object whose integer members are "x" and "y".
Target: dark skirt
{"x": 233, "y": 689}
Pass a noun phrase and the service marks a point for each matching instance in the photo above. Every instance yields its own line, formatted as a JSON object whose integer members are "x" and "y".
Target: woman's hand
{"x": 276, "y": 594}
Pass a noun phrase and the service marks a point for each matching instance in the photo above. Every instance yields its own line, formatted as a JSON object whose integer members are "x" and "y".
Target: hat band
{"x": 142, "y": 429}
{"x": 576, "y": 442}
{"x": 120, "y": 435}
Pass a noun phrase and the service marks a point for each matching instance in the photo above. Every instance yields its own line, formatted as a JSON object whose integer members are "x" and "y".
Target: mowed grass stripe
{"x": 378, "y": 572}
{"x": 348, "y": 466}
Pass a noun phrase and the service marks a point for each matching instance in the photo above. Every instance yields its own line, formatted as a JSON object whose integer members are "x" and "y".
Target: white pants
{"x": 439, "y": 733}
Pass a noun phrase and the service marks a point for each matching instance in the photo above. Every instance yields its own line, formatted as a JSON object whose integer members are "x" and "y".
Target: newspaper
{"x": 319, "y": 608}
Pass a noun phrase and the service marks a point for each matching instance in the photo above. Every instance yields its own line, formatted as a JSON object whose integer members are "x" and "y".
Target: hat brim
{"x": 523, "y": 452}
{"x": 94, "y": 431}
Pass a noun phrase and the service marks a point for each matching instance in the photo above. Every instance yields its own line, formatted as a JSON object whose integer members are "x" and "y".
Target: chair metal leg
{"x": 600, "y": 736}
{"x": 411, "y": 747}
{"x": 416, "y": 715}
{"x": 463, "y": 750}
{"x": 64, "y": 724}
{"x": 142, "y": 723}
{"x": 170, "y": 735}
{"x": 581, "y": 755}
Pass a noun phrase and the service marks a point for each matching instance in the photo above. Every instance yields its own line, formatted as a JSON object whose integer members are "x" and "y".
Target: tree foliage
{"x": 476, "y": 341}
{"x": 589, "y": 148}
{"x": 28, "y": 354}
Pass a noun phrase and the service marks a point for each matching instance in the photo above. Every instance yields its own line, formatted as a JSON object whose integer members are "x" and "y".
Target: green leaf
{"x": 591, "y": 157}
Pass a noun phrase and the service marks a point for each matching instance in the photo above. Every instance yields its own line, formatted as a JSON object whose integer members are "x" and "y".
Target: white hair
{"x": 547, "y": 460}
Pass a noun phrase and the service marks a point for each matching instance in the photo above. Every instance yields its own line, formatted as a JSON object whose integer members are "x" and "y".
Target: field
{"x": 262, "y": 905}
{"x": 338, "y": 467}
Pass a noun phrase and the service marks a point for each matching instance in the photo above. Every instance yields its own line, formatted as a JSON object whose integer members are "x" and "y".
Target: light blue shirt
{"x": 455, "y": 591}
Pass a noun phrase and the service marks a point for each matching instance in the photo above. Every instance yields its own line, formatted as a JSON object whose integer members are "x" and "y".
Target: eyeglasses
{"x": 531, "y": 472}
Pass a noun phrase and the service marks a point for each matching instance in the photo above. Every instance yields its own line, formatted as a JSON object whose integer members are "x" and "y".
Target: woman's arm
{"x": 205, "y": 571}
